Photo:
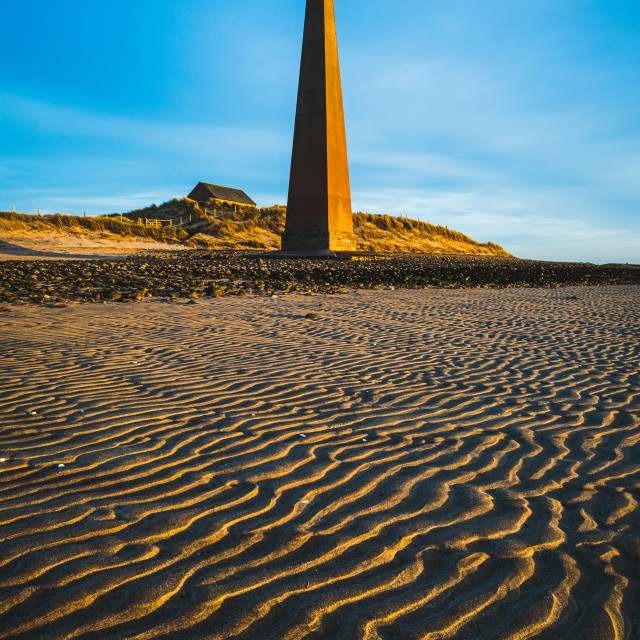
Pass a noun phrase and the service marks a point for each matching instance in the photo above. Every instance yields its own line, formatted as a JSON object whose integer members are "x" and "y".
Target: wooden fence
{"x": 153, "y": 222}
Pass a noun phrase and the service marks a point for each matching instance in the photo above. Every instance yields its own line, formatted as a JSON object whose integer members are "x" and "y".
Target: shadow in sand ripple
{"x": 414, "y": 464}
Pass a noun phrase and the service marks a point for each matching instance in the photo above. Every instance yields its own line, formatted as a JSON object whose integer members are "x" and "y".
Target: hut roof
{"x": 204, "y": 191}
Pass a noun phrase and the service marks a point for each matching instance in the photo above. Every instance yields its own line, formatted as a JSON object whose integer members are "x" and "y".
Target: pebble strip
{"x": 195, "y": 274}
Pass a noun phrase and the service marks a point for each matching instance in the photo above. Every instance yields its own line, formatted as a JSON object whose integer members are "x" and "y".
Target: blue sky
{"x": 509, "y": 120}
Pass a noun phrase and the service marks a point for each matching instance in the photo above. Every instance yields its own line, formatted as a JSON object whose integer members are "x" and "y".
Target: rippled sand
{"x": 411, "y": 464}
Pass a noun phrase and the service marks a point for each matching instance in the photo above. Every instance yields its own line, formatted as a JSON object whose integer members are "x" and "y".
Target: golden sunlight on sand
{"x": 409, "y": 464}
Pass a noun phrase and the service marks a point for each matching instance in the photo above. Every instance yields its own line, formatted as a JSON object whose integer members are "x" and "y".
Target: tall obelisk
{"x": 319, "y": 217}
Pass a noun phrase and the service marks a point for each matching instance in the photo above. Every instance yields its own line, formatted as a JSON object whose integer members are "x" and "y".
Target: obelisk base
{"x": 316, "y": 242}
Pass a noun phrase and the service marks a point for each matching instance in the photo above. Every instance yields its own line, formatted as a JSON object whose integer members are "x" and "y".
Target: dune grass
{"x": 217, "y": 225}
{"x": 221, "y": 225}
{"x": 239, "y": 226}
{"x": 387, "y": 233}
{"x": 16, "y": 222}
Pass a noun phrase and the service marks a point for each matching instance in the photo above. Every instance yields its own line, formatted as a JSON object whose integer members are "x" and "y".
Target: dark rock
{"x": 192, "y": 274}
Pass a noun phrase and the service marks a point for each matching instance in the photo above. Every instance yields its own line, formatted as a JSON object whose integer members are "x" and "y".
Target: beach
{"x": 409, "y": 463}
{"x": 82, "y": 246}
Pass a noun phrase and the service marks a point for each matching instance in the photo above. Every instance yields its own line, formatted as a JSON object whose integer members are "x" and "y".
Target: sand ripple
{"x": 412, "y": 464}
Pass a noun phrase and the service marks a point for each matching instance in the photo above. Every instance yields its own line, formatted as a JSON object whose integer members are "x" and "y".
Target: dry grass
{"x": 11, "y": 222}
{"x": 386, "y": 233}
{"x": 250, "y": 228}
{"x": 245, "y": 227}
{"x": 232, "y": 226}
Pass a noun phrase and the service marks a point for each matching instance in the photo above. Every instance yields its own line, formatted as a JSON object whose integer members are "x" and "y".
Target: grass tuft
{"x": 217, "y": 225}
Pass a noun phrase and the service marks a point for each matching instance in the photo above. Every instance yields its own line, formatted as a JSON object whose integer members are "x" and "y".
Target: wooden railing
{"x": 153, "y": 222}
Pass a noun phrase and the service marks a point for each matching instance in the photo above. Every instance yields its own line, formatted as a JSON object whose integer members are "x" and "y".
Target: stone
{"x": 319, "y": 219}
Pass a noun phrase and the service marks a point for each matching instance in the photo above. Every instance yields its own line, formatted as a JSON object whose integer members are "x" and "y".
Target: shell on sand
{"x": 470, "y": 467}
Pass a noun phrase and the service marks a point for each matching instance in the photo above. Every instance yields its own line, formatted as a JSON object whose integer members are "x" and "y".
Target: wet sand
{"x": 409, "y": 464}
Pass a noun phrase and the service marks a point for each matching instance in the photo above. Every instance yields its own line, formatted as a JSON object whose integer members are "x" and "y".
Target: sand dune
{"x": 67, "y": 246}
{"x": 410, "y": 464}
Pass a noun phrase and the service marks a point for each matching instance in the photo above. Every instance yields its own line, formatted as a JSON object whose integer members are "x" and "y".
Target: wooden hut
{"x": 205, "y": 192}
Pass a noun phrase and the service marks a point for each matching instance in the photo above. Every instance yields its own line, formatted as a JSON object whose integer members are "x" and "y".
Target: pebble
{"x": 3, "y": 459}
{"x": 194, "y": 274}
{"x": 61, "y": 466}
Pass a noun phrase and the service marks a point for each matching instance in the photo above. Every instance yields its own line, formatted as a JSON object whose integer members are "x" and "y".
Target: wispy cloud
{"x": 421, "y": 164}
{"x": 527, "y": 224}
{"x": 66, "y": 121}
{"x": 513, "y": 122}
{"x": 66, "y": 157}
{"x": 58, "y": 201}
{"x": 455, "y": 117}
